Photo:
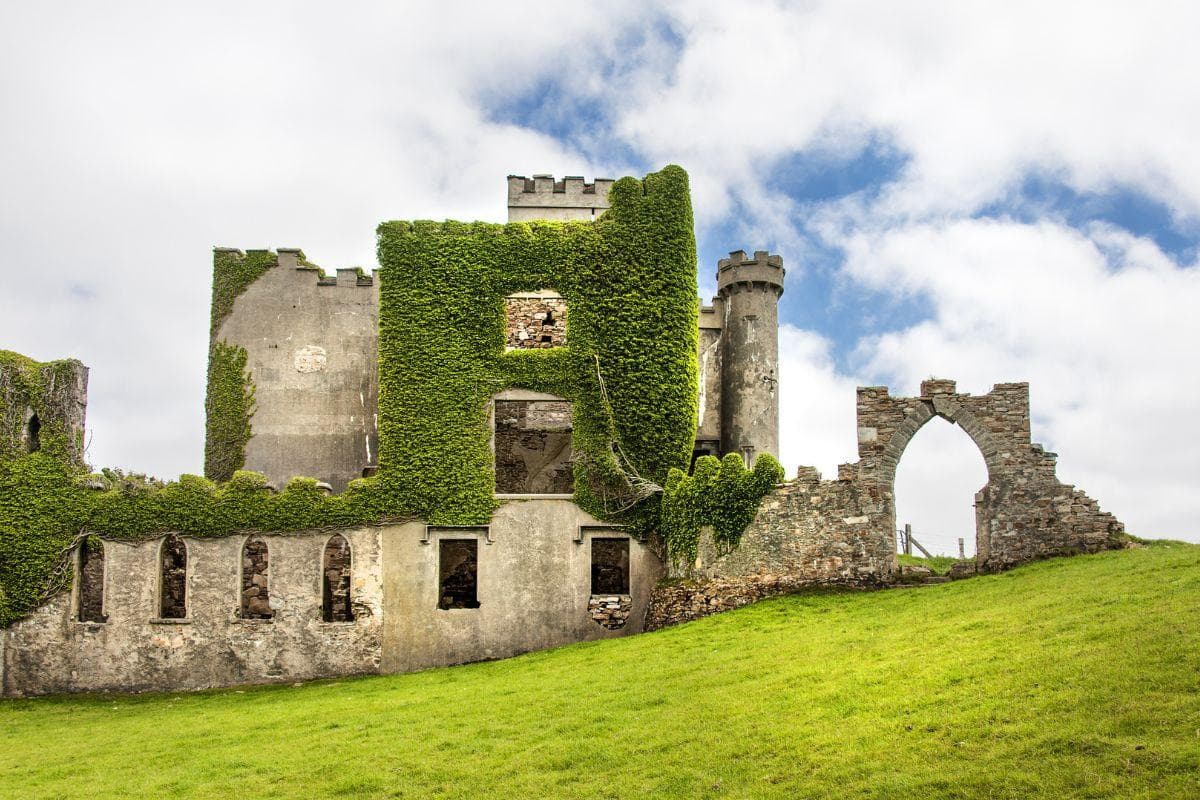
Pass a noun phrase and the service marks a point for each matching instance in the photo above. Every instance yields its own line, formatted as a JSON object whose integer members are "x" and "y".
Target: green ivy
{"x": 228, "y": 407}
{"x": 629, "y": 280}
{"x": 721, "y": 493}
{"x": 629, "y": 368}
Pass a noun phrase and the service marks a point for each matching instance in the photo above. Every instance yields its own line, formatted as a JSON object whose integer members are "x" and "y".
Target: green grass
{"x": 939, "y": 564}
{"x": 1068, "y": 678}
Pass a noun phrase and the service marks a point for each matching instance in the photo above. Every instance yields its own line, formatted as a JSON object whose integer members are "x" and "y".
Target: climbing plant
{"x": 720, "y": 493}
{"x": 629, "y": 368}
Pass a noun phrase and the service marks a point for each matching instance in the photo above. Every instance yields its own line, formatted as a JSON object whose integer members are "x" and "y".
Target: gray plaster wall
{"x": 749, "y": 290}
{"x": 134, "y": 650}
{"x": 533, "y": 587}
{"x": 311, "y": 347}
{"x": 543, "y": 198}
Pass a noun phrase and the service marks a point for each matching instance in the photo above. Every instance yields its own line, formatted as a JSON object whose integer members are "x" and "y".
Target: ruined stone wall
{"x": 842, "y": 532}
{"x": 533, "y": 590}
{"x": 1024, "y": 512}
{"x": 136, "y": 649}
{"x": 311, "y": 347}
{"x": 807, "y": 532}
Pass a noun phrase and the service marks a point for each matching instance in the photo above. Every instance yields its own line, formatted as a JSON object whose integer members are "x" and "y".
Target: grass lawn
{"x": 939, "y": 564}
{"x": 1068, "y": 678}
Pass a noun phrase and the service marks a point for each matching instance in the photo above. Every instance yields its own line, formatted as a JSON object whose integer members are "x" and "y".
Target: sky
{"x": 982, "y": 192}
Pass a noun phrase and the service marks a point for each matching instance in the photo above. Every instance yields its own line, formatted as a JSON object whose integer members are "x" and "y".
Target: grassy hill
{"x": 1068, "y": 678}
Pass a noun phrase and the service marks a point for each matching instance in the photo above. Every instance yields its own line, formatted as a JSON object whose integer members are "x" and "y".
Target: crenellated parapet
{"x": 544, "y": 198}
{"x": 738, "y": 273}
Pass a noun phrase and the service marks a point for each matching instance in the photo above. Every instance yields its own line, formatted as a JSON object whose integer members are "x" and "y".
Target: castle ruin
{"x": 512, "y": 529}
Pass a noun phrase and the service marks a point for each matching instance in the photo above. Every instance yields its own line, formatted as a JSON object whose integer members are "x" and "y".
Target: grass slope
{"x": 1068, "y": 678}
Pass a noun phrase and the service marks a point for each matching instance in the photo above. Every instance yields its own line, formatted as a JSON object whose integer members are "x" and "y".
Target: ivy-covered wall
{"x": 629, "y": 366}
{"x": 39, "y": 509}
{"x": 229, "y": 397}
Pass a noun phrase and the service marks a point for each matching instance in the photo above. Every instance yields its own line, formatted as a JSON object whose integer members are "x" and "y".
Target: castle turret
{"x": 748, "y": 292}
{"x": 542, "y": 197}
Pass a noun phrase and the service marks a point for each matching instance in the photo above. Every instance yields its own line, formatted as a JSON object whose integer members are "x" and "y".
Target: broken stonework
{"x": 535, "y": 321}
{"x": 842, "y": 532}
{"x": 256, "y": 597}
{"x": 610, "y": 611}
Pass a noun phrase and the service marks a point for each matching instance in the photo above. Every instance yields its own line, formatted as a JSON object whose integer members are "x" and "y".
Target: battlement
{"x": 546, "y": 184}
{"x": 543, "y": 197}
{"x": 739, "y": 273}
{"x": 294, "y": 258}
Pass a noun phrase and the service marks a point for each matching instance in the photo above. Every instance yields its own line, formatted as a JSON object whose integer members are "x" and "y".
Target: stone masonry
{"x": 842, "y": 532}
{"x": 535, "y": 321}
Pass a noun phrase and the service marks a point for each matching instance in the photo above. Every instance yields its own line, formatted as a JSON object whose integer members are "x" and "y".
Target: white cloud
{"x": 137, "y": 135}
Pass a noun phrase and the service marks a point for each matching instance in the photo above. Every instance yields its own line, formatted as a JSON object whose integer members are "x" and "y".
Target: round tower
{"x": 749, "y": 292}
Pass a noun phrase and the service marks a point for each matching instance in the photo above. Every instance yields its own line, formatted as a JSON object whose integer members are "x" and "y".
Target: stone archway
{"x": 1023, "y": 512}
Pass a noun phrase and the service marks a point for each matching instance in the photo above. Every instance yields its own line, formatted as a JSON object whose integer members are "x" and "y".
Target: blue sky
{"x": 986, "y": 194}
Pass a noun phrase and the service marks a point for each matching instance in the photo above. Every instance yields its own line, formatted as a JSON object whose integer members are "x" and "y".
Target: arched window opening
{"x": 937, "y": 478}
{"x": 33, "y": 434}
{"x": 91, "y": 580}
{"x": 256, "y": 594}
{"x": 335, "y": 581}
{"x": 173, "y": 585}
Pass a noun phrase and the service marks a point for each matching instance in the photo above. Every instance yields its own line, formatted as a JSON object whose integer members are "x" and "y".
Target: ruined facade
{"x": 179, "y": 611}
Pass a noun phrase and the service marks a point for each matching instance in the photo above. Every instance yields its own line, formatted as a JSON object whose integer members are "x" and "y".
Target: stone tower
{"x": 748, "y": 291}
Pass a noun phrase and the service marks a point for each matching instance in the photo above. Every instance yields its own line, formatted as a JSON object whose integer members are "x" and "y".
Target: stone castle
{"x": 178, "y": 611}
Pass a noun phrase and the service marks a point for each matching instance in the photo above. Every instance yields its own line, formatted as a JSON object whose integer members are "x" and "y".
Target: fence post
{"x": 907, "y": 539}
{"x": 962, "y": 553}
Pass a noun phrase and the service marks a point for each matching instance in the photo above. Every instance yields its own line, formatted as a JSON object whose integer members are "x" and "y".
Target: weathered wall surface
{"x": 311, "y": 349}
{"x": 534, "y": 591}
{"x": 533, "y": 588}
{"x": 62, "y": 401}
{"x": 535, "y": 320}
{"x": 710, "y": 357}
{"x": 135, "y": 649}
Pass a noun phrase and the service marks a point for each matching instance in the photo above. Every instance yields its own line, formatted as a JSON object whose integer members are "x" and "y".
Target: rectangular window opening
{"x": 610, "y": 566}
{"x": 458, "y": 573}
{"x": 533, "y": 447}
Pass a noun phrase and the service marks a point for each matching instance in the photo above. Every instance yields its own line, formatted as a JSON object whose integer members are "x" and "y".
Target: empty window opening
{"x": 335, "y": 581}
{"x": 937, "y": 477}
{"x": 458, "y": 573}
{"x": 610, "y": 566}
{"x": 33, "y": 436}
{"x": 535, "y": 320}
{"x": 91, "y": 580}
{"x": 172, "y": 598}
{"x": 533, "y": 447}
{"x": 256, "y": 595}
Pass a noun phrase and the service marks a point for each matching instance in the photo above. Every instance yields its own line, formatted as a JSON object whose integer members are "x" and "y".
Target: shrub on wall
{"x": 720, "y": 493}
